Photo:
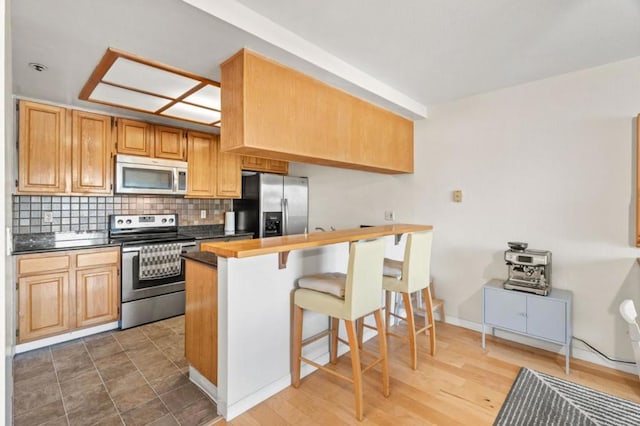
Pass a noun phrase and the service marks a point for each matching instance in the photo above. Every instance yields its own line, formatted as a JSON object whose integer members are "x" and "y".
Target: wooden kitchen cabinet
{"x": 169, "y": 143}
{"x": 43, "y": 305}
{"x": 62, "y": 291}
{"x": 62, "y": 151}
{"x": 210, "y": 173}
{"x": 264, "y": 165}
{"x": 229, "y": 175}
{"x": 202, "y": 162}
{"x": 149, "y": 140}
{"x": 134, "y": 137}
{"x": 91, "y": 156}
{"x": 97, "y": 295}
{"x": 43, "y": 149}
{"x": 272, "y": 111}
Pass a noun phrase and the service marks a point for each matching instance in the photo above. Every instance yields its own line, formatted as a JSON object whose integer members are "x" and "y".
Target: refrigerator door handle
{"x": 285, "y": 218}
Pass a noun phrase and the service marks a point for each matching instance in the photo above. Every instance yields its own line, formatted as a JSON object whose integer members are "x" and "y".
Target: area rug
{"x": 539, "y": 399}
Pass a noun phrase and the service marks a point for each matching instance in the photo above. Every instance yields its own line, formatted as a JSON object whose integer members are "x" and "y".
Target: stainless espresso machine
{"x": 529, "y": 270}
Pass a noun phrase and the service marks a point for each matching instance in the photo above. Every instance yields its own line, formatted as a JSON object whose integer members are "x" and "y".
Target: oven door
{"x": 135, "y": 289}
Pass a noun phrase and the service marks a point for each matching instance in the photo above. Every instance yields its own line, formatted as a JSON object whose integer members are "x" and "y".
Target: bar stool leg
{"x": 382, "y": 343}
{"x": 335, "y": 323}
{"x": 387, "y": 310}
{"x": 355, "y": 366}
{"x": 428, "y": 305}
{"x": 411, "y": 328}
{"x": 296, "y": 348}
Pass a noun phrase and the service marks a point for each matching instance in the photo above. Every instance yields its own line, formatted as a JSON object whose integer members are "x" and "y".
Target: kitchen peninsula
{"x": 254, "y": 281}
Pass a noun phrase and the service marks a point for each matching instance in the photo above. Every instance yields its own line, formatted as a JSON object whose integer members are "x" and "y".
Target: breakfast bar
{"x": 254, "y": 284}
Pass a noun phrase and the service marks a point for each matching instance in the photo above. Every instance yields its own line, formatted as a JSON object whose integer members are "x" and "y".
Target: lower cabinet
{"x": 542, "y": 317}
{"x": 62, "y": 291}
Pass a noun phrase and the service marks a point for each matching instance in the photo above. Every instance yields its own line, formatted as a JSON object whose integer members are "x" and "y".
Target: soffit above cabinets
{"x": 128, "y": 81}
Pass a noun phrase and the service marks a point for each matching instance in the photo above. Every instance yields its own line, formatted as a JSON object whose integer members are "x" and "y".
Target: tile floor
{"x": 137, "y": 376}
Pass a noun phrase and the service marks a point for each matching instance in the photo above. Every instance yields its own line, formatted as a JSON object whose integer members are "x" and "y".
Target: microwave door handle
{"x": 175, "y": 180}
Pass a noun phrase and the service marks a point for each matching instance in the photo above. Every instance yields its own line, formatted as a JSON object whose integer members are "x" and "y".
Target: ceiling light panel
{"x": 192, "y": 113}
{"x": 208, "y": 96}
{"x": 127, "y": 98}
{"x": 125, "y": 72}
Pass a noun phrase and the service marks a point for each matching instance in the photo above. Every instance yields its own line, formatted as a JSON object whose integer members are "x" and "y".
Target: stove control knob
{"x": 119, "y": 222}
{"x": 170, "y": 220}
{"x": 164, "y": 220}
{"x": 128, "y": 221}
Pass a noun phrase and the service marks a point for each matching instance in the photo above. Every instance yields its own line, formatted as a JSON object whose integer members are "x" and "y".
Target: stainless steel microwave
{"x": 143, "y": 175}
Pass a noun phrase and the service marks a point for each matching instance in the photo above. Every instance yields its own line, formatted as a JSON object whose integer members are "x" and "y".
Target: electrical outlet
{"x": 203, "y": 214}
{"x": 389, "y": 215}
{"x": 47, "y": 217}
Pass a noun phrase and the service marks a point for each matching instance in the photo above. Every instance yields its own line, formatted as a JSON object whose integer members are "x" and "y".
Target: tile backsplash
{"x": 92, "y": 213}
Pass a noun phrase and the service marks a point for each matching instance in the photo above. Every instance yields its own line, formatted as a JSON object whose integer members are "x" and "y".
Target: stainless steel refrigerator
{"x": 272, "y": 205}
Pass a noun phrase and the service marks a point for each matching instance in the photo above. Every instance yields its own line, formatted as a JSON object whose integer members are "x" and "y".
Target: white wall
{"x": 551, "y": 163}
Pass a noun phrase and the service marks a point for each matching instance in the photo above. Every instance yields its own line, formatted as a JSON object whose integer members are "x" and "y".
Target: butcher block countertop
{"x": 261, "y": 246}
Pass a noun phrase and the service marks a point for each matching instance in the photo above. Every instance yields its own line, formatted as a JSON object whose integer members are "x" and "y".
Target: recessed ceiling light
{"x": 128, "y": 81}
{"x": 38, "y": 67}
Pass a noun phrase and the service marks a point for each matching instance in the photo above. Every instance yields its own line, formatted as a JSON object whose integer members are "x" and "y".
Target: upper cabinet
{"x": 43, "y": 149}
{"x": 134, "y": 137}
{"x": 63, "y": 151}
{"x": 211, "y": 174}
{"x": 91, "y": 159}
{"x": 149, "y": 140}
{"x": 170, "y": 143}
{"x": 264, "y": 165}
{"x": 272, "y": 111}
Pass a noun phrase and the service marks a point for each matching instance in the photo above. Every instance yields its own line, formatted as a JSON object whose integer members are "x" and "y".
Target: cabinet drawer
{"x": 505, "y": 309}
{"x": 35, "y": 264}
{"x": 98, "y": 258}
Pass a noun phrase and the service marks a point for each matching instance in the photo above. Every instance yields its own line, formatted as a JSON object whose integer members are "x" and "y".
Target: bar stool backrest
{"x": 364, "y": 278}
{"x": 416, "y": 267}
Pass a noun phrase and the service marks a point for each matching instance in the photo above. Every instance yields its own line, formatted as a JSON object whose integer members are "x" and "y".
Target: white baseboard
{"x": 576, "y": 352}
{"x": 203, "y": 383}
{"x": 60, "y": 338}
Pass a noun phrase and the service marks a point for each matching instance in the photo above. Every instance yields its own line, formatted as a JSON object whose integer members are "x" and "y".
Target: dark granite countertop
{"x": 210, "y": 232}
{"x": 57, "y": 241}
{"x": 204, "y": 257}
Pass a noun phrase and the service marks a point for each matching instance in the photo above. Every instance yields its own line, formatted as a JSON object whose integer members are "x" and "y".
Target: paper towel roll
{"x": 229, "y": 222}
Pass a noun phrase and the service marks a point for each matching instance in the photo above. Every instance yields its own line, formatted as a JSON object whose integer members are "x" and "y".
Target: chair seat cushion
{"x": 332, "y": 283}
{"x": 392, "y": 268}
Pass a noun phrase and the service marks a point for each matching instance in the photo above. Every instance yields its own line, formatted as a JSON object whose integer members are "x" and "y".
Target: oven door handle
{"x": 137, "y": 248}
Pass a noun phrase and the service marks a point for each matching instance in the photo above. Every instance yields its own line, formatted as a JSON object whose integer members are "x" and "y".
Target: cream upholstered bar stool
{"x": 344, "y": 297}
{"x": 407, "y": 277}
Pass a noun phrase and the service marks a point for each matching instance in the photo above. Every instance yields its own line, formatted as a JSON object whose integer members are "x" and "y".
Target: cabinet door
{"x": 505, "y": 309}
{"x": 547, "y": 318}
{"x": 229, "y": 178}
{"x": 91, "y": 153}
{"x": 43, "y": 305}
{"x": 43, "y": 149}
{"x": 254, "y": 163}
{"x": 97, "y": 298}
{"x": 202, "y": 162}
{"x": 134, "y": 137}
{"x": 277, "y": 166}
{"x": 169, "y": 143}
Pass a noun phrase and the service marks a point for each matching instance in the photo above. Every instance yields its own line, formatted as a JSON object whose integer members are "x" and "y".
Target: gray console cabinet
{"x": 542, "y": 317}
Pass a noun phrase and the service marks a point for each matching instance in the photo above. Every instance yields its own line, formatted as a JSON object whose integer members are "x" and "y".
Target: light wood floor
{"x": 460, "y": 385}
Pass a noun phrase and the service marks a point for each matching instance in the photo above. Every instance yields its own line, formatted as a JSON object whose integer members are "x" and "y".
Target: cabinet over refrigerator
{"x": 273, "y": 205}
